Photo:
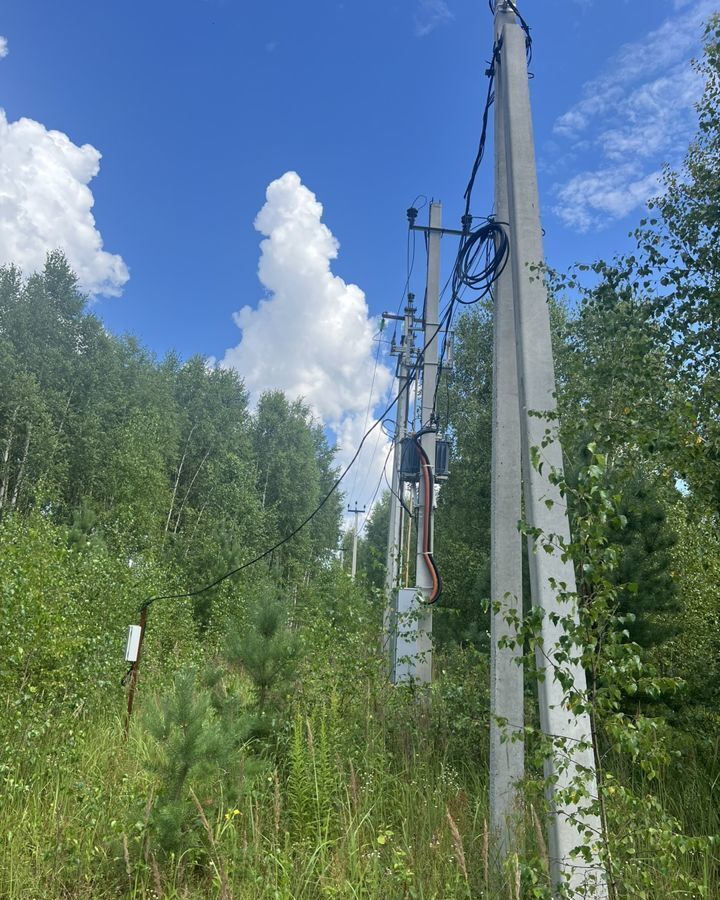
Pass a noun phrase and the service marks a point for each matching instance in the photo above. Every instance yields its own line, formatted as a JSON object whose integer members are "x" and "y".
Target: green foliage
{"x": 315, "y": 773}
{"x": 266, "y": 652}
{"x": 463, "y": 516}
{"x": 205, "y": 729}
{"x": 644, "y": 563}
{"x": 166, "y": 456}
{"x": 192, "y": 749}
{"x": 641, "y": 838}
{"x": 671, "y": 285}
{"x": 294, "y": 471}
{"x": 84, "y": 531}
{"x": 693, "y": 651}
{"x": 64, "y": 614}
{"x": 300, "y": 783}
{"x": 372, "y": 544}
{"x": 66, "y": 608}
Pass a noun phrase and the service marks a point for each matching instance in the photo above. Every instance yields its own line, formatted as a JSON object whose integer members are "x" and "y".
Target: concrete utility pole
{"x": 507, "y": 757}
{"x": 414, "y": 639}
{"x": 395, "y": 534}
{"x": 355, "y": 539}
{"x": 545, "y": 509}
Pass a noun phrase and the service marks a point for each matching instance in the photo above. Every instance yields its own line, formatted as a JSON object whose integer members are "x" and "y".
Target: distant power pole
{"x": 355, "y": 539}
{"x": 414, "y": 637}
{"x": 545, "y": 509}
{"x": 395, "y": 533}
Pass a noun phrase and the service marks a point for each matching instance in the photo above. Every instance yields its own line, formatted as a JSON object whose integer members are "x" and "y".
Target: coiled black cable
{"x": 481, "y": 260}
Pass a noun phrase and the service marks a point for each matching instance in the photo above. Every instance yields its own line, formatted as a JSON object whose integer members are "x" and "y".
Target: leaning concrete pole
{"x": 414, "y": 621}
{"x": 394, "y": 541}
{"x": 423, "y": 578}
{"x": 506, "y": 674}
{"x": 570, "y": 822}
{"x": 393, "y": 537}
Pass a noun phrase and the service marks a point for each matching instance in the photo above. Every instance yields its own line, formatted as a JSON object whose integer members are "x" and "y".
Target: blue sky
{"x": 196, "y": 106}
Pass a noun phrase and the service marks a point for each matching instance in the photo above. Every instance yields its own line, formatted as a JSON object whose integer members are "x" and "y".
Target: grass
{"x": 381, "y": 831}
{"x": 364, "y": 800}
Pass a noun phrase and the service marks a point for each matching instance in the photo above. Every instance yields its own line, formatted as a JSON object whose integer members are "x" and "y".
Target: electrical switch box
{"x": 133, "y": 643}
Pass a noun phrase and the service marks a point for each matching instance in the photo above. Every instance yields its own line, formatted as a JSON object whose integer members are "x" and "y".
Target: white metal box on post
{"x": 133, "y": 643}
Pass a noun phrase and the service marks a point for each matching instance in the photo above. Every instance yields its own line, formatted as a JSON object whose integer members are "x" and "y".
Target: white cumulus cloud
{"x": 312, "y": 335}
{"x": 431, "y": 14}
{"x": 591, "y": 199}
{"x": 3, "y": 47}
{"x": 637, "y": 115}
{"x": 46, "y": 204}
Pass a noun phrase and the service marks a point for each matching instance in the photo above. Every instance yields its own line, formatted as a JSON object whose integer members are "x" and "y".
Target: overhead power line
{"x": 377, "y": 490}
{"x": 409, "y": 268}
{"x": 370, "y": 395}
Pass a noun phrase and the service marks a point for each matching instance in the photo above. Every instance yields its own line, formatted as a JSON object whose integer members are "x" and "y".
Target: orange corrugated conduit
{"x": 428, "y": 483}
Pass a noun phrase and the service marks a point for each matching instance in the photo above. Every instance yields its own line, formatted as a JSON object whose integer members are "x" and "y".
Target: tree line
{"x": 163, "y": 458}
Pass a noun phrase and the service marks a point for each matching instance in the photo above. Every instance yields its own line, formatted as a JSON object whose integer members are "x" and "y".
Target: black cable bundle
{"x": 481, "y": 259}
{"x": 523, "y": 24}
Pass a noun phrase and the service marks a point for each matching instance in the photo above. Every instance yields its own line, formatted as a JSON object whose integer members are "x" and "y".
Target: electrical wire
{"x": 388, "y": 427}
{"x": 377, "y": 489}
{"x": 481, "y": 260}
{"x": 525, "y": 27}
{"x": 483, "y": 252}
{"x": 491, "y": 72}
{"x": 479, "y": 156}
{"x": 369, "y": 403}
{"x": 523, "y": 24}
{"x": 410, "y": 266}
{"x": 410, "y": 256}
{"x": 397, "y": 496}
{"x": 369, "y": 466}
